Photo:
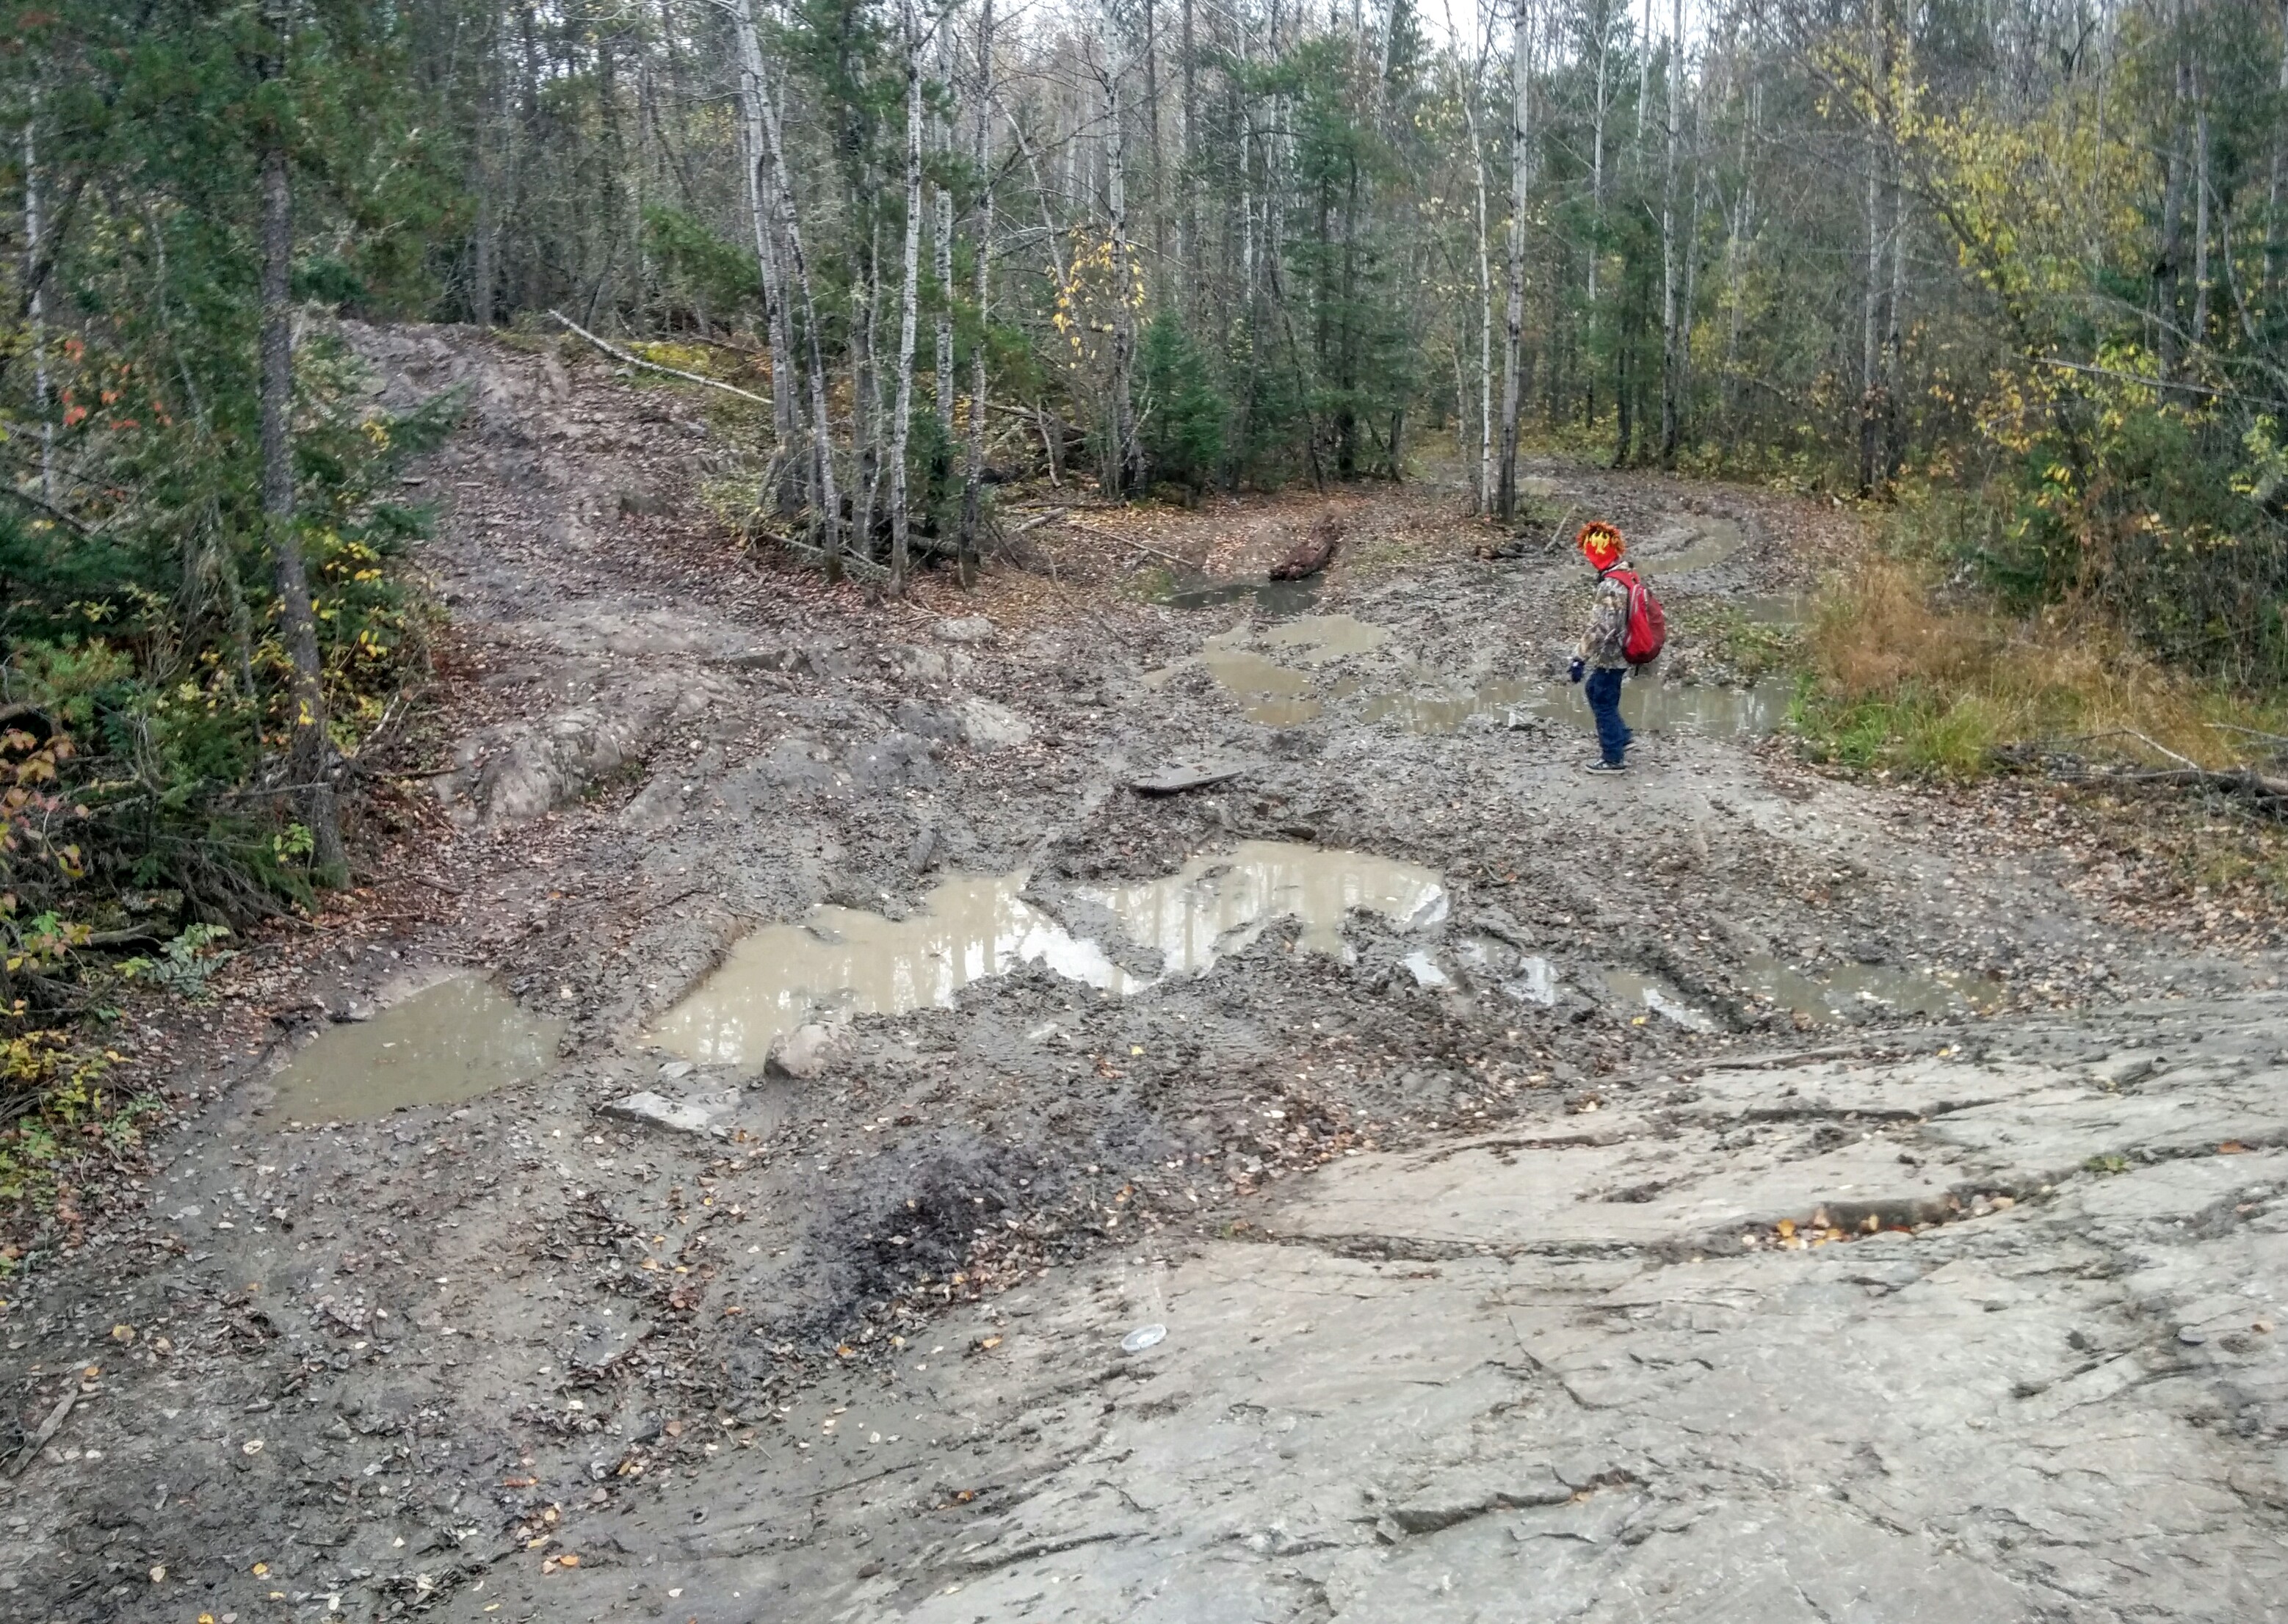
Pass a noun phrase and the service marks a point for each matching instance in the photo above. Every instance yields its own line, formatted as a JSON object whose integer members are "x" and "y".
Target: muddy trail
{"x": 710, "y": 1171}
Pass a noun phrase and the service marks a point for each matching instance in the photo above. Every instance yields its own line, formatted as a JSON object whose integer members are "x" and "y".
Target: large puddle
{"x": 842, "y": 960}
{"x": 448, "y": 1042}
{"x": 1276, "y": 599}
{"x": 1271, "y": 691}
{"x": 1853, "y": 992}
{"x": 1829, "y": 995}
{"x": 1652, "y": 705}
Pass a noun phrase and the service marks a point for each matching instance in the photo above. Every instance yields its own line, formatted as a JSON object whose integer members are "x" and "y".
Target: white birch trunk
{"x": 1121, "y": 460}
{"x": 902, "y": 413}
{"x": 1521, "y": 141}
{"x": 1870, "y": 304}
{"x": 981, "y": 156}
{"x": 1597, "y": 147}
{"x": 944, "y": 224}
{"x": 1671, "y": 363}
{"x": 826, "y": 502}
{"x": 1485, "y": 487}
{"x": 785, "y": 424}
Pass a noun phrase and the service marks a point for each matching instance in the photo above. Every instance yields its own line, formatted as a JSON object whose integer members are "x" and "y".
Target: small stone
{"x": 966, "y": 629}
{"x": 2191, "y": 1337}
{"x": 805, "y": 1053}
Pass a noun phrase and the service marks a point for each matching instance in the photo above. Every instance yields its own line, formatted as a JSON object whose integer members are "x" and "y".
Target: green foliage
{"x": 697, "y": 269}
{"x": 142, "y": 671}
{"x": 54, "y": 1110}
{"x": 1181, "y": 413}
{"x": 185, "y": 963}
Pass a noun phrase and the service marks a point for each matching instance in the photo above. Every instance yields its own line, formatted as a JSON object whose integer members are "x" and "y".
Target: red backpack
{"x": 1648, "y": 632}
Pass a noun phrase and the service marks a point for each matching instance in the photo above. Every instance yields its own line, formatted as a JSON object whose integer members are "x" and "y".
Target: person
{"x": 1599, "y": 658}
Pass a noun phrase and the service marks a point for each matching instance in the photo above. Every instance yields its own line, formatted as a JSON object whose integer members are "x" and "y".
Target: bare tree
{"x": 761, "y": 207}
{"x": 1471, "y": 87}
{"x": 1521, "y": 155}
{"x": 310, "y": 752}
{"x": 1672, "y": 250}
{"x": 980, "y": 157}
{"x": 825, "y": 505}
{"x": 942, "y": 241}
{"x": 902, "y": 413}
{"x": 1121, "y": 454}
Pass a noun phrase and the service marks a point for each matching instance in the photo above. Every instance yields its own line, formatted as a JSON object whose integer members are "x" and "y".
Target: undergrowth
{"x": 1900, "y": 677}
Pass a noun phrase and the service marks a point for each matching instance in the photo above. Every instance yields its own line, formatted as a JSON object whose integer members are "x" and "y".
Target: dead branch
{"x": 617, "y": 353}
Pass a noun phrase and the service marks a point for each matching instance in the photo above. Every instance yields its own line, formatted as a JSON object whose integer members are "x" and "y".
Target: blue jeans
{"x": 1604, "y": 691}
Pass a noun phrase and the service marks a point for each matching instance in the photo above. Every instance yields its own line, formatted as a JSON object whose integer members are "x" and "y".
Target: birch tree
{"x": 981, "y": 162}
{"x": 1520, "y": 162}
{"x": 909, "y": 289}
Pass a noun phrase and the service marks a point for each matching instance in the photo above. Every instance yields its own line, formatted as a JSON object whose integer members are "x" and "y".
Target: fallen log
{"x": 1313, "y": 553}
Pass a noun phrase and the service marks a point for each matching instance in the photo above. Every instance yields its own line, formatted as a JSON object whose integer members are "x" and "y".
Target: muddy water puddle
{"x": 1651, "y": 705}
{"x": 1828, "y": 994}
{"x": 1709, "y": 542}
{"x": 447, "y": 1043}
{"x": 1852, "y": 991}
{"x": 1275, "y": 599}
{"x": 846, "y": 961}
{"x": 1274, "y": 691}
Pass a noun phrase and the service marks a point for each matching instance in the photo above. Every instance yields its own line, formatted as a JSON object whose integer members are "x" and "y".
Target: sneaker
{"x": 1607, "y": 766}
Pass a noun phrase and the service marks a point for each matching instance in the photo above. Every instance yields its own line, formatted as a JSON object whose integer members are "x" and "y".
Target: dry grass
{"x": 1901, "y": 679}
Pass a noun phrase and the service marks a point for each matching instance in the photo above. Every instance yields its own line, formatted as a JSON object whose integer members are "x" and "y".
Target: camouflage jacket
{"x": 1608, "y": 634}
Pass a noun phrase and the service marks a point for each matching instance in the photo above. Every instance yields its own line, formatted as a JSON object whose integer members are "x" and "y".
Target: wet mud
{"x": 504, "y": 1352}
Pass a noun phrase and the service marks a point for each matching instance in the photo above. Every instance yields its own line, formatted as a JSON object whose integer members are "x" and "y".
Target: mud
{"x": 854, "y": 1351}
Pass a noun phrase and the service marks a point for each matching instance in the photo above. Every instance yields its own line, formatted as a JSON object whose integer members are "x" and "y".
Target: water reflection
{"x": 974, "y": 927}
{"x": 448, "y": 1042}
{"x": 1214, "y": 906}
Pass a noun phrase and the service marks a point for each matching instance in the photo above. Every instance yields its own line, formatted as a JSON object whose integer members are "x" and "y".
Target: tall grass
{"x": 1901, "y": 677}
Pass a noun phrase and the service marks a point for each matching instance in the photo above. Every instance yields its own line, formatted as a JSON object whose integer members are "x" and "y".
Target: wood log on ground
{"x": 1313, "y": 553}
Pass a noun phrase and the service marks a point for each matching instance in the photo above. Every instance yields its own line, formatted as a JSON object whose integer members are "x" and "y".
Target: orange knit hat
{"x": 1600, "y": 544}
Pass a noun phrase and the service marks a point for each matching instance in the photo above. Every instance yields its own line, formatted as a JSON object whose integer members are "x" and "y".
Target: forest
{"x": 2017, "y": 268}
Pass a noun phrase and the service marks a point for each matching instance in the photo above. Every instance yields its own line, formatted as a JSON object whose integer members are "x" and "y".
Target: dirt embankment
{"x": 452, "y": 1356}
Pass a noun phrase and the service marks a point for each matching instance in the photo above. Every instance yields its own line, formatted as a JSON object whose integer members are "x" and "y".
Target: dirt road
{"x": 1715, "y": 1193}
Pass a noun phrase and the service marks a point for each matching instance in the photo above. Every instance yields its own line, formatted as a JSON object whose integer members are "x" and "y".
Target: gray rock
{"x": 988, "y": 725}
{"x": 1176, "y": 777}
{"x": 965, "y": 629}
{"x": 2120, "y": 1069}
{"x": 678, "y": 1116}
{"x": 805, "y": 1053}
